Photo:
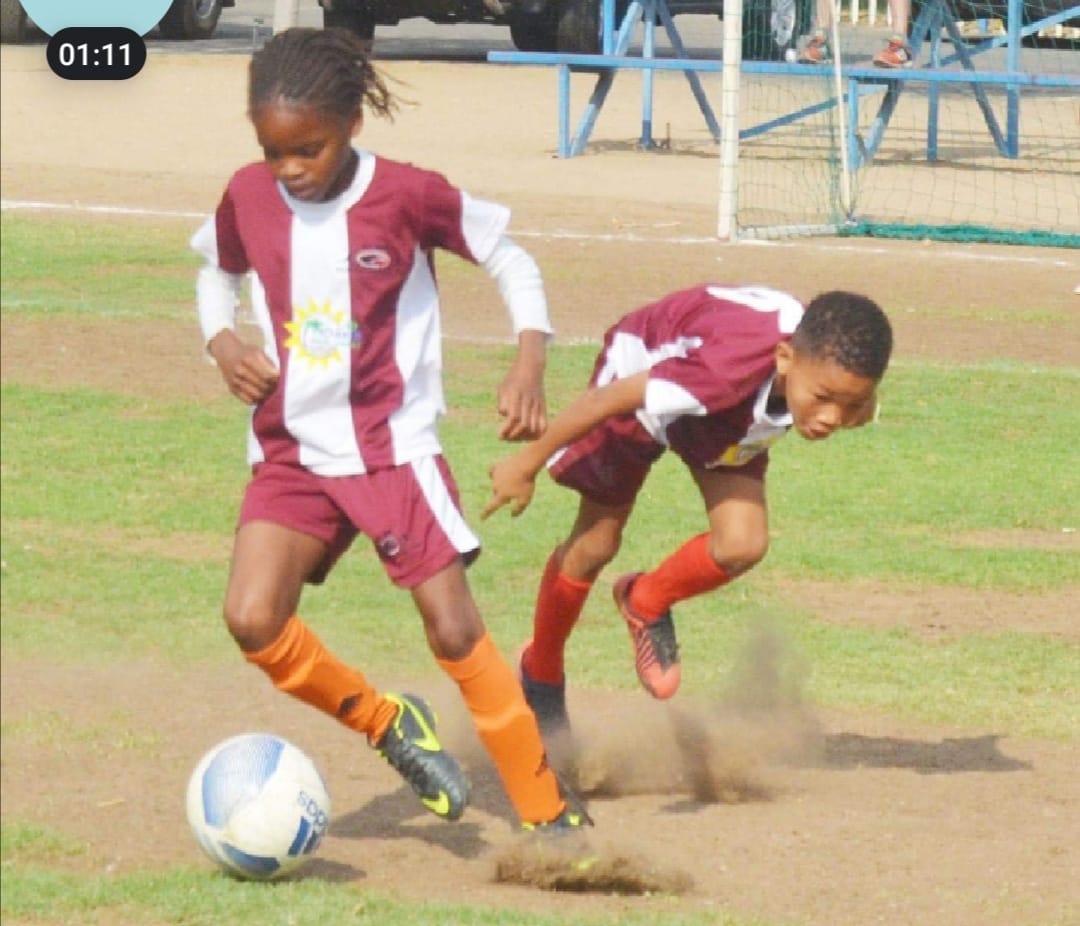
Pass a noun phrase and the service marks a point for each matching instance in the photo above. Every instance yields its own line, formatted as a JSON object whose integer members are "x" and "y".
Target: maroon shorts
{"x": 411, "y": 513}
{"x": 610, "y": 463}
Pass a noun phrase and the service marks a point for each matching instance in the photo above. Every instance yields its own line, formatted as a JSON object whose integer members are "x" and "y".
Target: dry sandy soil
{"x": 826, "y": 819}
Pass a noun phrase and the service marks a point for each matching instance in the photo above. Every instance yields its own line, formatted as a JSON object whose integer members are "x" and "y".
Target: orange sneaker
{"x": 656, "y": 652}
{"x": 816, "y": 51}
{"x": 897, "y": 54}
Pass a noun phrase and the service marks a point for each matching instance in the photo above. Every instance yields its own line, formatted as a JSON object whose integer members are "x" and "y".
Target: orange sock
{"x": 689, "y": 571}
{"x": 299, "y": 664}
{"x": 508, "y": 730}
{"x": 558, "y": 607}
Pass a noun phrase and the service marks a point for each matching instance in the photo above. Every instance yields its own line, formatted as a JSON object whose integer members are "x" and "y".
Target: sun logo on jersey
{"x": 320, "y": 335}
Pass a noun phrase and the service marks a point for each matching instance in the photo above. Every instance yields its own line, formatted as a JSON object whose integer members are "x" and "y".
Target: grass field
{"x": 117, "y": 509}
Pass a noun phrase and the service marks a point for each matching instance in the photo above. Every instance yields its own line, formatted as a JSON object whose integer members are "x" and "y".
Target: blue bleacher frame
{"x": 933, "y": 17}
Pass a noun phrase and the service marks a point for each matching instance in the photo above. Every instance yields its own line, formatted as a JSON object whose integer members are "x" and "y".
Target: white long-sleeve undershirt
{"x": 511, "y": 266}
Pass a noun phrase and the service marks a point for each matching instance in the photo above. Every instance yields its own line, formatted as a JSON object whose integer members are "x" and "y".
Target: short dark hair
{"x": 326, "y": 69}
{"x": 848, "y": 329}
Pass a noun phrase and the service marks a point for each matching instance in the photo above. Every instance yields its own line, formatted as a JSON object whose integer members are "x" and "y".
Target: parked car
{"x": 185, "y": 19}
{"x": 769, "y": 27}
{"x": 192, "y": 19}
{"x": 1033, "y": 11}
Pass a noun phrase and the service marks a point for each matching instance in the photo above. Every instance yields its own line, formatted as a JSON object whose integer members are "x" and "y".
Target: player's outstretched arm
{"x": 513, "y": 478}
{"x": 521, "y": 393}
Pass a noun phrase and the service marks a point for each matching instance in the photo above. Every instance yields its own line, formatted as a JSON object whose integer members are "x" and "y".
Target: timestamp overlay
{"x": 99, "y": 40}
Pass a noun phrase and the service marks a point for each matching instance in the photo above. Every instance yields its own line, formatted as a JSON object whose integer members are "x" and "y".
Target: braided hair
{"x": 847, "y": 329}
{"x": 325, "y": 69}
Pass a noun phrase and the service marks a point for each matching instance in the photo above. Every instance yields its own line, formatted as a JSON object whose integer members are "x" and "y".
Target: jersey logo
{"x": 372, "y": 259}
{"x": 742, "y": 453}
{"x": 320, "y": 336}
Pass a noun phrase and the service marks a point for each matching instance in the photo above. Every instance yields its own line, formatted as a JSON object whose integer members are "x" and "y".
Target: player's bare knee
{"x": 251, "y": 626}
{"x": 448, "y": 640}
{"x": 591, "y": 552}
{"x": 737, "y": 554}
{"x": 453, "y": 626}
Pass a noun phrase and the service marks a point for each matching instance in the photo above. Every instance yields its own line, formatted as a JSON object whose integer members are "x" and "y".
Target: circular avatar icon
{"x": 137, "y": 15}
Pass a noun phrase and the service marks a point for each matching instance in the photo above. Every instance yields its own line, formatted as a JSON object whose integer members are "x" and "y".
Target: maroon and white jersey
{"x": 710, "y": 353}
{"x": 345, "y": 295}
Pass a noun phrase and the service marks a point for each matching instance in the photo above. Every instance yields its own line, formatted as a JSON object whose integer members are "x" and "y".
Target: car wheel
{"x": 578, "y": 30}
{"x": 771, "y": 27}
{"x": 534, "y": 32}
{"x": 191, "y": 19}
{"x": 353, "y": 18}
{"x": 14, "y": 24}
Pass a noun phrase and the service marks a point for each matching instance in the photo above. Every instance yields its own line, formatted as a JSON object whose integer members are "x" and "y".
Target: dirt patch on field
{"x": 181, "y": 547}
{"x": 848, "y": 821}
{"x": 940, "y": 610}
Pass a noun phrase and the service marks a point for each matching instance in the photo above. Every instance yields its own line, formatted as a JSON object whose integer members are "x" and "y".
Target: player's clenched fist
{"x": 521, "y": 394}
{"x": 250, "y": 375}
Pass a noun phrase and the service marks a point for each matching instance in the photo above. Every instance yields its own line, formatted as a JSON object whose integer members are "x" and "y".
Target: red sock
{"x": 558, "y": 607}
{"x": 689, "y": 571}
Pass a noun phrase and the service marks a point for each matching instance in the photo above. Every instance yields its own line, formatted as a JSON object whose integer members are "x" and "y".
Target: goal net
{"x": 979, "y": 140}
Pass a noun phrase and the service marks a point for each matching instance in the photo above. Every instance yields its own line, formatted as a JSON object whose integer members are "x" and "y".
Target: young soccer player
{"x": 718, "y": 374}
{"x": 347, "y": 390}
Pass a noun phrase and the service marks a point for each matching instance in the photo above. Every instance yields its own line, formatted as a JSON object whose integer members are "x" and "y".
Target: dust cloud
{"x": 720, "y": 749}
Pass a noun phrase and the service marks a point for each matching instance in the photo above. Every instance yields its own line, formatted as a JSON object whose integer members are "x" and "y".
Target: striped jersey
{"x": 345, "y": 295}
{"x": 710, "y": 353}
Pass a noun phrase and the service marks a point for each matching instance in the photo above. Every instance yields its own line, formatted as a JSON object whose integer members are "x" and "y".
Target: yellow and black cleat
{"x": 413, "y": 750}
{"x": 568, "y": 821}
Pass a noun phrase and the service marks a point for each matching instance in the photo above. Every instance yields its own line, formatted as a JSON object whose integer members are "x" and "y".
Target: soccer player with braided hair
{"x": 717, "y": 374}
{"x": 346, "y": 391}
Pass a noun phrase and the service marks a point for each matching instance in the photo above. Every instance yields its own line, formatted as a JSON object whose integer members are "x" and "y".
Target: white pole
{"x": 726, "y": 228}
{"x": 286, "y": 14}
{"x": 841, "y": 116}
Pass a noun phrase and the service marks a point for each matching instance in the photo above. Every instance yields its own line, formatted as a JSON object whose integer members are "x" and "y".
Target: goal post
{"x": 727, "y": 226}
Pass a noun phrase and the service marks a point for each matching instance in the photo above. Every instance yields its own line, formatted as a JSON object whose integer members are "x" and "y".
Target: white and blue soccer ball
{"x": 257, "y": 806}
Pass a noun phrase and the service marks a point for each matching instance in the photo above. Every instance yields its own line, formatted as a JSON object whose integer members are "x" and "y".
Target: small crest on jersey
{"x": 388, "y": 546}
{"x": 320, "y": 335}
{"x": 372, "y": 259}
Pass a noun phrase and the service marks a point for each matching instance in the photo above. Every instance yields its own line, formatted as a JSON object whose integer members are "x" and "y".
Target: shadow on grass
{"x": 971, "y": 754}
{"x": 401, "y": 816}
{"x": 322, "y": 869}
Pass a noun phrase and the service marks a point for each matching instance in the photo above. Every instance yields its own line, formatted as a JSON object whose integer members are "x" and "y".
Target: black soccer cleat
{"x": 569, "y": 821}
{"x": 413, "y": 750}
{"x": 572, "y": 819}
{"x": 548, "y": 703}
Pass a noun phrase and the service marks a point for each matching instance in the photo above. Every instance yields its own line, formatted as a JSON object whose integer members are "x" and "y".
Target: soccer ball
{"x": 257, "y": 805}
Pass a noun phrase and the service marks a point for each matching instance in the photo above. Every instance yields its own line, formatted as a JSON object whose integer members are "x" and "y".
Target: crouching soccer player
{"x": 718, "y": 374}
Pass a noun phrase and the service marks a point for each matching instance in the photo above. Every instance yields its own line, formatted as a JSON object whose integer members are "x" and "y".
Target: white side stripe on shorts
{"x": 447, "y": 514}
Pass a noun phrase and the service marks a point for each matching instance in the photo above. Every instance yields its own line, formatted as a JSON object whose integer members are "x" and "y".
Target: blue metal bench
{"x": 933, "y": 17}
